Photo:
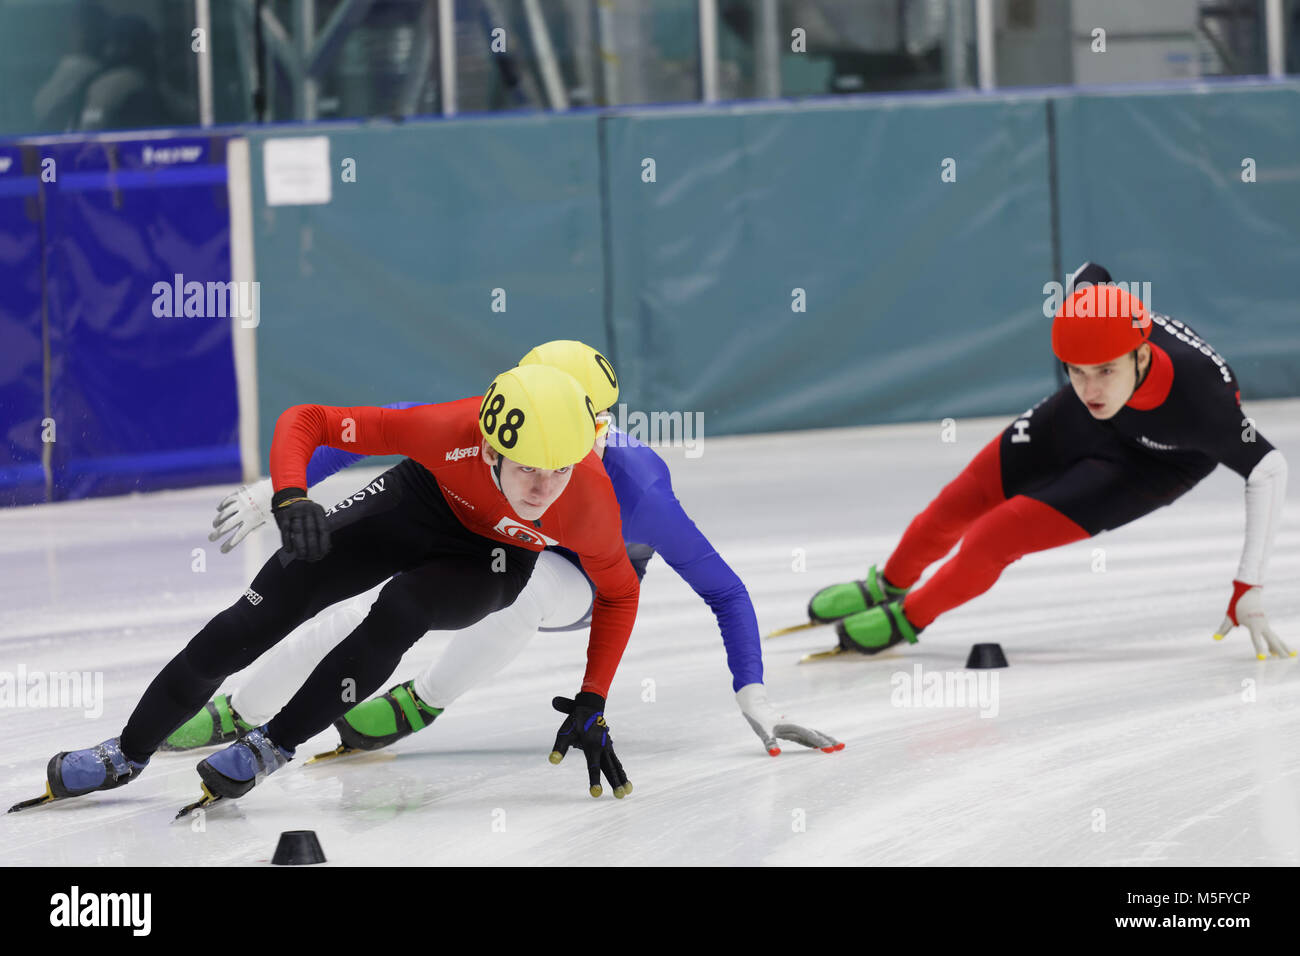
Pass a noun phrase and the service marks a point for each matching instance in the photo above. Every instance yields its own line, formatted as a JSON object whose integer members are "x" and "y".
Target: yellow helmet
{"x": 538, "y": 416}
{"x": 589, "y": 367}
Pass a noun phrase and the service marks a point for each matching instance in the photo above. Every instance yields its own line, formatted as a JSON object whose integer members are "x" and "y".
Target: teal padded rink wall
{"x": 847, "y": 204}
{"x": 385, "y": 294}
{"x": 923, "y": 298}
{"x": 1154, "y": 183}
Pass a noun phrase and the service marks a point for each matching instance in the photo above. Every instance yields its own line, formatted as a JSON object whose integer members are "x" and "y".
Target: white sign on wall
{"x": 297, "y": 170}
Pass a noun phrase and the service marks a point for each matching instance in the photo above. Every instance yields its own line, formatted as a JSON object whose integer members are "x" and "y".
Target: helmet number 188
{"x": 490, "y": 412}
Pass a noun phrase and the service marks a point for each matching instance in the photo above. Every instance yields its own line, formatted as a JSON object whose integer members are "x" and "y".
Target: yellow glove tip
{"x": 596, "y": 791}
{"x": 555, "y": 756}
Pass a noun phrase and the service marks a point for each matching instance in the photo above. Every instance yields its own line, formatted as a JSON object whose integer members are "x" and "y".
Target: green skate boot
{"x": 380, "y": 721}
{"x": 873, "y": 630}
{"x": 217, "y": 723}
{"x": 838, "y": 601}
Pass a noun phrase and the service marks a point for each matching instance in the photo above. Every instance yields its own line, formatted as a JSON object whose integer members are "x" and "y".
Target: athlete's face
{"x": 530, "y": 491}
{"x": 1105, "y": 388}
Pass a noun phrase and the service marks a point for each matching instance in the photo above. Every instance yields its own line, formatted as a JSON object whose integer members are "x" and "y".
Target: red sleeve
{"x": 363, "y": 429}
{"x": 617, "y": 592}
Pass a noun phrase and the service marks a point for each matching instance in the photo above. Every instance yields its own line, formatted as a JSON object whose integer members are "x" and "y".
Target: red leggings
{"x": 994, "y": 531}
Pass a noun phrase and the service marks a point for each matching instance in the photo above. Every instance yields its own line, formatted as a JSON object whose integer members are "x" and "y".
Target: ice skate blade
{"x": 342, "y": 750}
{"x": 821, "y": 655}
{"x": 47, "y": 797}
{"x": 882, "y": 654}
{"x": 794, "y": 628}
{"x": 205, "y": 801}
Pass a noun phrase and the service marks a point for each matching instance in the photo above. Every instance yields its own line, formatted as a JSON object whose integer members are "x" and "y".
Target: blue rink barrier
{"x": 22, "y": 474}
{"x": 129, "y": 399}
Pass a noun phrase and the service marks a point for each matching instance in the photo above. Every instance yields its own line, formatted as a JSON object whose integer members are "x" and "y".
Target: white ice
{"x": 1123, "y": 734}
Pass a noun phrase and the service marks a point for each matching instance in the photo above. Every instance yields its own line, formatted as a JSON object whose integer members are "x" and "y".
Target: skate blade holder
{"x": 205, "y": 801}
{"x": 47, "y": 797}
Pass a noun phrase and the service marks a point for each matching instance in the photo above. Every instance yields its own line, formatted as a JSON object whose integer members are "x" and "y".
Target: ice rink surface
{"x": 1121, "y": 734}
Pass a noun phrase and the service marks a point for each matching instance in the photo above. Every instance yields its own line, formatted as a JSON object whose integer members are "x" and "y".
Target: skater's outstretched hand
{"x": 771, "y": 726}
{"x": 242, "y": 511}
{"x": 304, "y": 531}
{"x": 585, "y": 728}
{"x": 1247, "y": 610}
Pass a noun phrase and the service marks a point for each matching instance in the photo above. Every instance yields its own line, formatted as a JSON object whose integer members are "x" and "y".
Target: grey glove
{"x": 246, "y": 508}
{"x": 771, "y": 726}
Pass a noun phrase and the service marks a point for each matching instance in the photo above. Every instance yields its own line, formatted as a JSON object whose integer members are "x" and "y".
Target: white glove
{"x": 244, "y": 509}
{"x": 1247, "y": 610}
{"x": 769, "y": 725}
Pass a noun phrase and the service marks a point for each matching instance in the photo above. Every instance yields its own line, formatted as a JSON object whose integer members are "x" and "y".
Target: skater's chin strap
{"x": 1140, "y": 372}
{"x": 496, "y": 472}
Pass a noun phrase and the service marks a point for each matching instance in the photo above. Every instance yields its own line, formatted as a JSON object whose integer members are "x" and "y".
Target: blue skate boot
{"x": 102, "y": 767}
{"x": 240, "y": 767}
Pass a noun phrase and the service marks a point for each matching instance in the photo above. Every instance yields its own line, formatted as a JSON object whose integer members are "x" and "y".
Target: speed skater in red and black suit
{"x": 457, "y": 527}
{"x": 1149, "y": 411}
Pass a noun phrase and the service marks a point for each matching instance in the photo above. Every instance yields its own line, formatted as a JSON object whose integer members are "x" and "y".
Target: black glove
{"x": 303, "y": 528}
{"x": 586, "y": 728}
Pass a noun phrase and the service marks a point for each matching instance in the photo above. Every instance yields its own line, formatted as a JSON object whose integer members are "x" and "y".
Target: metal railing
{"x": 89, "y": 64}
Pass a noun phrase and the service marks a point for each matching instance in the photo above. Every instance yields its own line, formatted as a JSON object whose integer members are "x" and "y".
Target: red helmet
{"x": 1099, "y": 323}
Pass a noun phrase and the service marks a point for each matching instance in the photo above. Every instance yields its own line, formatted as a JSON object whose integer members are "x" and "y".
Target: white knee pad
{"x": 567, "y": 592}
